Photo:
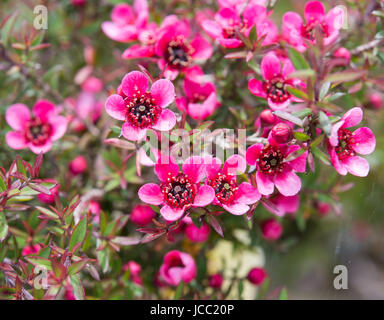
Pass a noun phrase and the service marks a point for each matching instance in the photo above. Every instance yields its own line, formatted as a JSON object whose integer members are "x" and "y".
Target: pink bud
{"x": 257, "y": 276}
{"x": 94, "y": 207}
{"x": 342, "y": 53}
{"x": 134, "y": 271}
{"x": 281, "y": 133}
{"x": 215, "y": 281}
{"x": 197, "y": 234}
{"x": 142, "y": 215}
{"x": 323, "y": 208}
{"x": 267, "y": 117}
{"x": 92, "y": 84}
{"x": 271, "y": 229}
{"x": 78, "y": 3}
{"x": 78, "y": 165}
{"x": 32, "y": 249}
{"x": 376, "y": 100}
{"x": 49, "y": 198}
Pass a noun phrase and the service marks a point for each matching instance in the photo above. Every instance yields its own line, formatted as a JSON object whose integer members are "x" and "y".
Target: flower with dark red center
{"x": 177, "y": 49}
{"x": 344, "y": 145}
{"x": 297, "y": 32}
{"x": 177, "y": 266}
{"x": 141, "y": 109}
{"x": 229, "y": 22}
{"x": 233, "y": 197}
{"x": 178, "y": 190}
{"x": 36, "y": 131}
{"x": 276, "y": 79}
{"x": 274, "y": 169}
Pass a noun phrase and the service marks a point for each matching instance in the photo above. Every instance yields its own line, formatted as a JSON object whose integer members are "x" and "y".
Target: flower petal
{"x": 166, "y": 121}
{"x": 16, "y": 140}
{"x": 133, "y": 82}
{"x": 288, "y": 183}
{"x": 270, "y": 66}
{"x": 203, "y": 49}
{"x": 247, "y": 194}
{"x": 234, "y": 164}
{"x": 314, "y": 10}
{"x": 353, "y": 117}
{"x": 44, "y": 110}
{"x": 253, "y": 153}
{"x": 165, "y": 167}
{"x": 115, "y": 107}
{"x": 365, "y": 141}
{"x": 357, "y": 166}
{"x": 163, "y": 92}
{"x": 212, "y": 166}
{"x": 236, "y": 208}
{"x": 150, "y": 193}
{"x": 171, "y": 214}
{"x": 204, "y": 196}
{"x": 59, "y": 126}
{"x": 42, "y": 148}
{"x": 339, "y": 167}
{"x": 264, "y": 182}
{"x": 17, "y": 115}
{"x": 133, "y": 133}
{"x": 194, "y": 168}
{"x": 256, "y": 88}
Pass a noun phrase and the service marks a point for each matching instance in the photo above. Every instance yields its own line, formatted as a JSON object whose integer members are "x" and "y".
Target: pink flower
{"x": 297, "y": 32}
{"x": 200, "y": 100}
{"x": 126, "y": 21}
{"x": 239, "y": 5}
{"x": 376, "y": 100}
{"x": 282, "y": 204}
{"x": 79, "y": 3}
{"x": 274, "y": 169}
{"x": 178, "y": 190}
{"x": 229, "y": 194}
{"x": 147, "y": 42}
{"x": 195, "y": 233}
{"x": 38, "y": 130}
{"x": 141, "y": 109}
{"x": 92, "y": 84}
{"x": 271, "y": 229}
{"x": 177, "y": 49}
{"x": 228, "y": 21}
{"x": 134, "y": 271}
{"x": 215, "y": 281}
{"x": 32, "y": 249}
{"x": 276, "y": 79}
{"x": 178, "y": 266}
{"x": 344, "y": 144}
{"x": 257, "y": 276}
{"x": 78, "y": 165}
{"x": 142, "y": 215}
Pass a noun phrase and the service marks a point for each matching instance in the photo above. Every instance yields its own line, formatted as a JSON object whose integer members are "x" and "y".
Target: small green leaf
{"x": 41, "y": 262}
{"x": 283, "y": 294}
{"x": 78, "y": 234}
{"x": 298, "y": 59}
{"x": 7, "y": 29}
{"x": 302, "y": 136}
{"x": 78, "y": 289}
{"x": 179, "y": 290}
{"x": 325, "y": 123}
{"x": 346, "y": 76}
{"x": 3, "y": 226}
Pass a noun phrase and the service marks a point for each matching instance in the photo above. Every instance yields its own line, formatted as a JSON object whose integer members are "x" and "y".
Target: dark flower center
{"x": 225, "y": 188}
{"x": 276, "y": 90}
{"x": 37, "y": 132}
{"x": 271, "y": 160}
{"x": 179, "y": 53}
{"x": 308, "y": 30}
{"x": 142, "y": 111}
{"x": 179, "y": 191}
{"x": 344, "y": 149}
{"x": 229, "y": 32}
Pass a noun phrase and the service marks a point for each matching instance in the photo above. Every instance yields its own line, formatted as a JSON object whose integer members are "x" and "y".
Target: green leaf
{"x": 77, "y": 266}
{"x": 41, "y": 262}
{"x": 47, "y": 212}
{"x": 3, "y": 226}
{"x": 302, "y": 113}
{"x": 78, "y": 234}
{"x": 301, "y": 136}
{"x": 7, "y": 29}
{"x": 179, "y": 290}
{"x": 3, "y": 186}
{"x": 298, "y": 59}
{"x": 289, "y": 117}
{"x": 321, "y": 155}
{"x": 283, "y": 294}
{"x": 78, "y": 289}
{"x": 346, "y": 76}
{"x": 325, "y": 123}
{"x": 297, "y": 93}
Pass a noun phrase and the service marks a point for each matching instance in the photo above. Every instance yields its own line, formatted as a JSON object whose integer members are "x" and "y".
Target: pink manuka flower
{"x": 228, "y": 21}
{"x": 177, "y": 191}
{"x": 273, "y": 167}
{"x": 177, "y": 49}
{"x": 297, "y": 32}
{"x": 195, "y": 233}
{"x": 276, "y": 78}
{"x": 200, "y": 100}
{"x": 344, "y": 144}
{"x": 38, "y": 130}
{"x": 126, "y": 21}
{"x": 134, "y": 271}
{"x": 282, "y": 204}
{"x": 177, "y": 266}
{"x": 232, "y": 196}
{"x": 141, "y": 109}
{"x": 239, "y": 5}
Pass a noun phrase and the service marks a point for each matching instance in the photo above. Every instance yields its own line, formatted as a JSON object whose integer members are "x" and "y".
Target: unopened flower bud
{"x": 267, "y": 117}
{"x": 257, "y": 276}
{"x": 271, "y": 229}
{"x": 142, "y": 215}
{"x": 78, "y": 165}
{"x": 215, "y": 281}
{"x": 281, "y": 133}
{"x": 342, "y": 53}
